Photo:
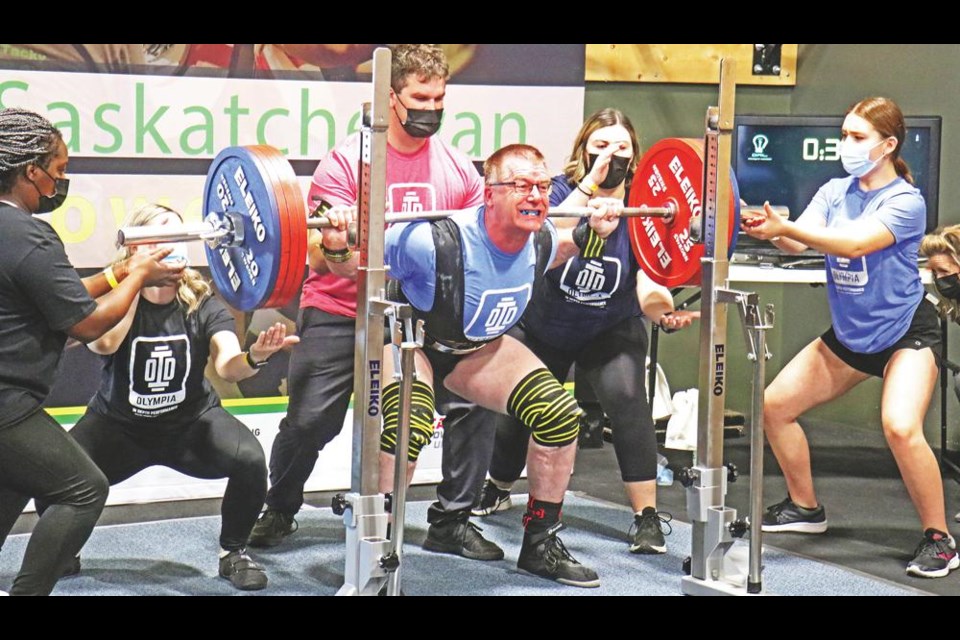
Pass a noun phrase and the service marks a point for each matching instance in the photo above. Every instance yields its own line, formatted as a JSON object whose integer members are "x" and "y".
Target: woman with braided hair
{"x": 42, "y": 302}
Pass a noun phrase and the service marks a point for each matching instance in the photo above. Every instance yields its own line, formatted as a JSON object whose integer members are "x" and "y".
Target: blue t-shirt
{"x": 582, "y": 298}
{"x": 873, "y": 298}
{"x": 498, "y": 285}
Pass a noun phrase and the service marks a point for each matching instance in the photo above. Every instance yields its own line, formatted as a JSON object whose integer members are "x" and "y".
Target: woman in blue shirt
{"x": 869, "y": 226}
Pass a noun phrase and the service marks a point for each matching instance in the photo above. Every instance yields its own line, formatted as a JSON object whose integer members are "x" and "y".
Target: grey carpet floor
{"x": 178, "y": 557}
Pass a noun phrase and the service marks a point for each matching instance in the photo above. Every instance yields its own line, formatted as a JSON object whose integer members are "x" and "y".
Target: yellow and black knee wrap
{"x": 421, "y": 418}
{"x": 541, "y": 403}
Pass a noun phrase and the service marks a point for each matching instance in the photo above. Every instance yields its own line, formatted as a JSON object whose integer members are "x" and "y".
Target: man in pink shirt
{"x": 423, "y": 173}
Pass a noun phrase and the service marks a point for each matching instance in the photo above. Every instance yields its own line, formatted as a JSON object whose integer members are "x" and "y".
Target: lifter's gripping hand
{"x": 605, "y": 216}
{"x": 336, "y": 236}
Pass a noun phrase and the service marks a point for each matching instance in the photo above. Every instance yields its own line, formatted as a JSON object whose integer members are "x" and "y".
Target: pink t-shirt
{"x": 437, "y": 177}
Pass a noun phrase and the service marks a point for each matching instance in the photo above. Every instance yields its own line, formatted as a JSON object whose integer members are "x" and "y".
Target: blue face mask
{"x": 856, "y": 157}
{"x": 179, "y": 253}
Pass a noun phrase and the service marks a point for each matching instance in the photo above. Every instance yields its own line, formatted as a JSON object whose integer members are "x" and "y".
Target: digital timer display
{"x": 827, "y": 149}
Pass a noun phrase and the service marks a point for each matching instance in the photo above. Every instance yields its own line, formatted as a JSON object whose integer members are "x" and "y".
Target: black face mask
{"x": 54, "y": 202}
{"x": 421, "y": 123}
{"x": 616, "y": 170}
{"x": 948, "y": 286}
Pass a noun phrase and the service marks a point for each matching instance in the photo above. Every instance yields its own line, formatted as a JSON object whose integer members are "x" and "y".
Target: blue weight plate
{"x": 238, "y": 182}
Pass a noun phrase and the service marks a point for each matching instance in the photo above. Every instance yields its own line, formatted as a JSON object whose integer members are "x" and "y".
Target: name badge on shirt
{"x": 849, "y": 273}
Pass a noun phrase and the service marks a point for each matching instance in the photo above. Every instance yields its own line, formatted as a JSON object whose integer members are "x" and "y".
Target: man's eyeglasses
{"x": 524, "y": 188}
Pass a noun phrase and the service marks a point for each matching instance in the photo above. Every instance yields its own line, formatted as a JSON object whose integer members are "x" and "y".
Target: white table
{"x": 750, "y": 272}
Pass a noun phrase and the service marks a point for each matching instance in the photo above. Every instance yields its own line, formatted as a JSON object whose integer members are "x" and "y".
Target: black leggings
{"x": 39, "y": 460}
{"x": 217, "y": 445}
{"x": 614, "y": 364}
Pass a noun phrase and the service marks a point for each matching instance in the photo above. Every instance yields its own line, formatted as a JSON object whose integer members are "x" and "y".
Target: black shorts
{"x": 924, "y": 331}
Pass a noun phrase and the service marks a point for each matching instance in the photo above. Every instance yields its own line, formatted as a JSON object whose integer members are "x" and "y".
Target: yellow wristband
{"x": 111, "y": 278}
{"x": 587, "y": 190}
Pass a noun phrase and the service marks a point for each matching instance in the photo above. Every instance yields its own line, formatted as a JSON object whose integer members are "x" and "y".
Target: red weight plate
{"x": 265, "y": 158}
{"x": 296, "y": 206}
{"x": 297, "y": 210}
{"x": 671, "y": 173}
{"x": 277, "y": 166}
{"x": 291, "y": 216}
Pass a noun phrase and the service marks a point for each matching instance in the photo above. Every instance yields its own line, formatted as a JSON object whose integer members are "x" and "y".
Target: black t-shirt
{"x": 41, "y": 296}
{"x": 155, "y": 379}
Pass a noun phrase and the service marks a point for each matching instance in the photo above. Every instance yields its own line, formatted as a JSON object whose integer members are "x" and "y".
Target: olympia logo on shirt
{"x": 158, "y": 374}
{"x": 594, "y": 283}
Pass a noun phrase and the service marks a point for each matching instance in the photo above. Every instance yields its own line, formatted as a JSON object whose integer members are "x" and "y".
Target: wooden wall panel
{"x": 686, "y": 63}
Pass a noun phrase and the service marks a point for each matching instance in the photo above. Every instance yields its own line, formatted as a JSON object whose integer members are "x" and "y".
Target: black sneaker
{"x": 461, "y": 537}
{"x": 72, "y": 568}
{"x": 544, "y": 555}
{"x": 242, "y": 571}
{"x": 787, "y": 516}
{"x": 492, "y": 500}
{"x": 647, "y": 531}
{"x": 271, "y": 528}
{"x": 935, "y": 557}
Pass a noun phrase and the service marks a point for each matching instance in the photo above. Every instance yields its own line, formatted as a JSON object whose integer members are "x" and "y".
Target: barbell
{"x": 255, "y": 230}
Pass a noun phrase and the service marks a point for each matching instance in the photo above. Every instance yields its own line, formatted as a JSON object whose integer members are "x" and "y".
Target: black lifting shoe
{"x": 461, "y": 537}
{"x": 544, "y": 555}
{"x": 242, "y": 571}
{"x": 492, "y": 500}
{"x": 271, "y": 528}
